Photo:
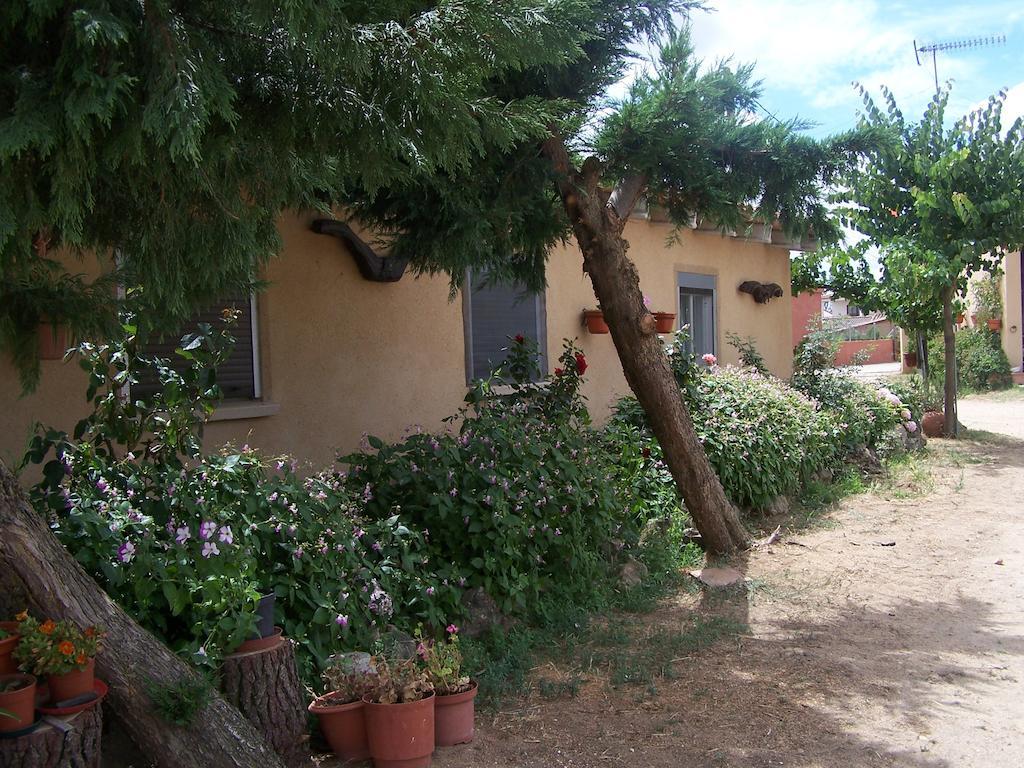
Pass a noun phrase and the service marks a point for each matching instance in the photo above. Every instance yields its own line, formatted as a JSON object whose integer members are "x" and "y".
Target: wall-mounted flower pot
{"x": 995, "y": 324}
{"x": 53, "y": 341}
{"x": 17, "y": 696}
{"x": 72, "y": 684}
{"x": 910, "y": 359}
{"x": 664, "y": 322}
{"x": 344, "y": 727}
{"x": 933, "y": 423}
{"x": 594, "y": 318}
{"x": 401, "y": 735}
{"x": 8, "y": 665}
{"x": 453, "y": 718}
{"x": 960, "y": 319}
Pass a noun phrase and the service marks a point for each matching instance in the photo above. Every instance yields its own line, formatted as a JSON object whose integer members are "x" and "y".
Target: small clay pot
{"x": 995, "y": 324}
{"x": 594, "y": 319}
{"x": 344, "y": 727}
{"x": 910, "y": 359}
{"x": 664, "y": 322}
{"x": 261, "y": 643}
{"x": 401, "y": 735}
{"x": 8, "y": 665}
{"x": 21, "y": 703}
{"x": 453, "y": 718}
{"x": 71, "y": 684}
{"x": 933, "y": 424}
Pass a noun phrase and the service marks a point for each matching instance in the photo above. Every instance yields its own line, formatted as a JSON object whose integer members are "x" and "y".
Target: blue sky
{"x": 808, "y": 52}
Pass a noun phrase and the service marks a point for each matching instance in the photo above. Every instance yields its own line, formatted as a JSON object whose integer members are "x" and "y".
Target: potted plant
{"x": 17, "y": 702}
{"x": 910, "y": 359}
{"x": 988, "y": 298}
{"x": 341, "y": 709}
{"x": 62, "y": 652}
{"x": 455, "y": 692}
{"x": 594, "y": 320}
{"x": 665, "y": 322}
{"x": 399, "y": 712}
{"x": 8, "y": 642}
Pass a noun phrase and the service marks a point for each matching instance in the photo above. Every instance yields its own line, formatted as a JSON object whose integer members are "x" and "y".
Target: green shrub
{"x": 522, "y": 494}
{"x": 981, "y": 363}
{"x": 762, "y": 437}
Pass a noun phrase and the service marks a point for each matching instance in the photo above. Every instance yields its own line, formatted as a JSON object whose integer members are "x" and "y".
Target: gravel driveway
{"x": 1002, "y": 412}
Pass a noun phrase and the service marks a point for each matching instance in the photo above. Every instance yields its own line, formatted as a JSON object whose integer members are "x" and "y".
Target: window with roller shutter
{"x": 238, "y": 376}
{"x": 493, "y": 313}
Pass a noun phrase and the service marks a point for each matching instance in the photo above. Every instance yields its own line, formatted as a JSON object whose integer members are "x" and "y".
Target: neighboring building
{"x": 326, "y": 355}
{"x": 865, "y": 337}
{"x": 1012, "y": 289}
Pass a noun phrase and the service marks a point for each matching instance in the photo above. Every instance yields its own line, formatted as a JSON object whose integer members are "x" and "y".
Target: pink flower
{"x": 911, "y": 427}
{"x": 125, "y": 552}
{"x": 341, "y": 620}
{"x": 209, "y": 549}
{"x": 709, "y": 359}
{"x": 451, "y": 629}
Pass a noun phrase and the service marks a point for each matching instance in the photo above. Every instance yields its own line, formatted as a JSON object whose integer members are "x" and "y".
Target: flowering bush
{"x": 519, "y": 497}
{"x": 762, "y": 437}
{"x": 54, "y": 647}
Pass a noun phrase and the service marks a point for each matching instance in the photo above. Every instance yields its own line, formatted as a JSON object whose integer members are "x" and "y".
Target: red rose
{"x": 519, "y": 338}
{"x": 559, "y": 371}
{"x": 581, "y": 363}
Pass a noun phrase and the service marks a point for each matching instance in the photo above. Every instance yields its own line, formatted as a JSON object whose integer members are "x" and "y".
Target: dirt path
{"x": 891, "y": 635}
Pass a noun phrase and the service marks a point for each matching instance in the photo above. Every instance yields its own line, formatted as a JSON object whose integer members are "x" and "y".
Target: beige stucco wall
{"x": 341, "y": 356}
{"x": 1013, "y": 326}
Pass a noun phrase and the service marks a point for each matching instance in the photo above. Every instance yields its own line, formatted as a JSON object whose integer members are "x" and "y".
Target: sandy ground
{"x": 890, "y": 634}
{"x": 1001, "y": 412}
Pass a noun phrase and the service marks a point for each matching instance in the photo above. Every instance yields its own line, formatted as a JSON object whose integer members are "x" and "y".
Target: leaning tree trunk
{"x": 950, "y": 426}
{"x": 598, "y": 226}
{"x": 132, "y": 660}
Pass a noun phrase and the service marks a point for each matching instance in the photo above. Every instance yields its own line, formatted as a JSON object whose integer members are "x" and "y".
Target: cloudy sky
{"x": 808, "y": 52}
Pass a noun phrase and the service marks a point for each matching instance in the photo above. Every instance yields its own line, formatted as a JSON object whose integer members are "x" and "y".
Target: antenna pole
{"x": 934, "y": 48}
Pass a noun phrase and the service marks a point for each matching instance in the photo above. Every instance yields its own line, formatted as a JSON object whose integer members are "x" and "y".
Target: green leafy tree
{"x": 941, "y": 203}
{"x": 684, "y": 137}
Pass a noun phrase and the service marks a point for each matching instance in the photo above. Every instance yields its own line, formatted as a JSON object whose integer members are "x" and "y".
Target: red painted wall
{"x": 806, "y": 307}
{"x": 880, "y": 351}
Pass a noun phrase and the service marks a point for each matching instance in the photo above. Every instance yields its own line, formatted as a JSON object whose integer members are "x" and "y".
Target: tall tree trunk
{"x": 598, "y": 225}
{"x": 949, "y": 342}
{"x": 132, "y": 660}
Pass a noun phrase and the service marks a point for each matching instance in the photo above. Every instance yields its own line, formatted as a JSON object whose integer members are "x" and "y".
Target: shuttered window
{"x": 495, "y": 312}
{"x": 237, "y": 376}
{"x": 698, "y": 309}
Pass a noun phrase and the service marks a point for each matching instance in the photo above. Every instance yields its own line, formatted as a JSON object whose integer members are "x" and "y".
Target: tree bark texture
{"x": 949, "y": 343}
{"x": 598, "y": 226}
{"x": 265, "y": 687}
{"x": 132, "y": 660}
{"x": 51, "y": 747}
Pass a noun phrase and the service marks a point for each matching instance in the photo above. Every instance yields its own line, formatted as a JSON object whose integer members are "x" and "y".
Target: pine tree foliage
{"x": 169, "y": 136}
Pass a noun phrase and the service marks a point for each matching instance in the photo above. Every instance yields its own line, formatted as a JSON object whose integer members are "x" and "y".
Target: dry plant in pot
{"x": 341, "y": 709}
{"x": 60, "y": 651}
{"x": 454, "y": 707}
{"x": 17, "y": 702}
{"x": 400, "y": 714}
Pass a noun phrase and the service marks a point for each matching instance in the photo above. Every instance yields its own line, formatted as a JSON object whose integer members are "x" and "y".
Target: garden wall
{"x": 880, "y": 351}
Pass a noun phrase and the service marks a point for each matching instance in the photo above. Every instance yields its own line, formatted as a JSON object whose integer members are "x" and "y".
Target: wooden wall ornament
{"x": 762, "y": 292}
{"x": 378, "y": 269}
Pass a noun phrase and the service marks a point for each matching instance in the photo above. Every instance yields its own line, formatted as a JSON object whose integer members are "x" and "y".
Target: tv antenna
{"x": 934, "y": 48}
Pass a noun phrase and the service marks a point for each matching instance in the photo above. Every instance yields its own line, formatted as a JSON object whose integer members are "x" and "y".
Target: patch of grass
{"x": 907, "y": 477}
{"x": 180, "y": 703}
{"x": 499, "y": 661}
{"x": 559, "y": 689}
{"x": 817, "y": 497}
{"x": 1014, "y": 393}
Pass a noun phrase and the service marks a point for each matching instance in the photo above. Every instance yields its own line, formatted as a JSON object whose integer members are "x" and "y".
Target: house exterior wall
{"x": 1013, "y": 322}
{"x": 341, "y": 356}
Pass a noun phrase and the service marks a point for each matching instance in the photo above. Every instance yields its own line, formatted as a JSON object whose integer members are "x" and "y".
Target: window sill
{"x": 244, "y": 409}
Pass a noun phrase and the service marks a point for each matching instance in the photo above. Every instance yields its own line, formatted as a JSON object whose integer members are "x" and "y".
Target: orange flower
{"x": 67, "y": 648}
{"x": 80, "y": 659}
{"x": 90, "y": 631}
{"x": 47, "y": 627}
{"x": 22, "y": 616}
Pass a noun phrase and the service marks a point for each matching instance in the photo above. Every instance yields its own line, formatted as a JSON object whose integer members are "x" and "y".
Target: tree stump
{"x": 264, "y": 686}
{"x": 51, "y": 746}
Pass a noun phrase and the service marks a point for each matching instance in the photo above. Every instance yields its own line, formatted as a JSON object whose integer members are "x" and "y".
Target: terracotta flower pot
{"x": 8, "y": 665}
{"x": 401, "y": 735}
{"x": 595, "y": 321}
{"x": 960, "y": 319}
{"x": 71, "y": 684}
{"x": 933, "y": 423}
{"x": 664, "y": 322}
{"x": 53, "y": 341}
{"x": 995, "y": 324}
{"x": 21, "y": 703}
{"x": 344, "y": 727}
{"x": 453, "y": 718}
{"x": 910, "y": 359}
{"x": 261, "y": 643}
